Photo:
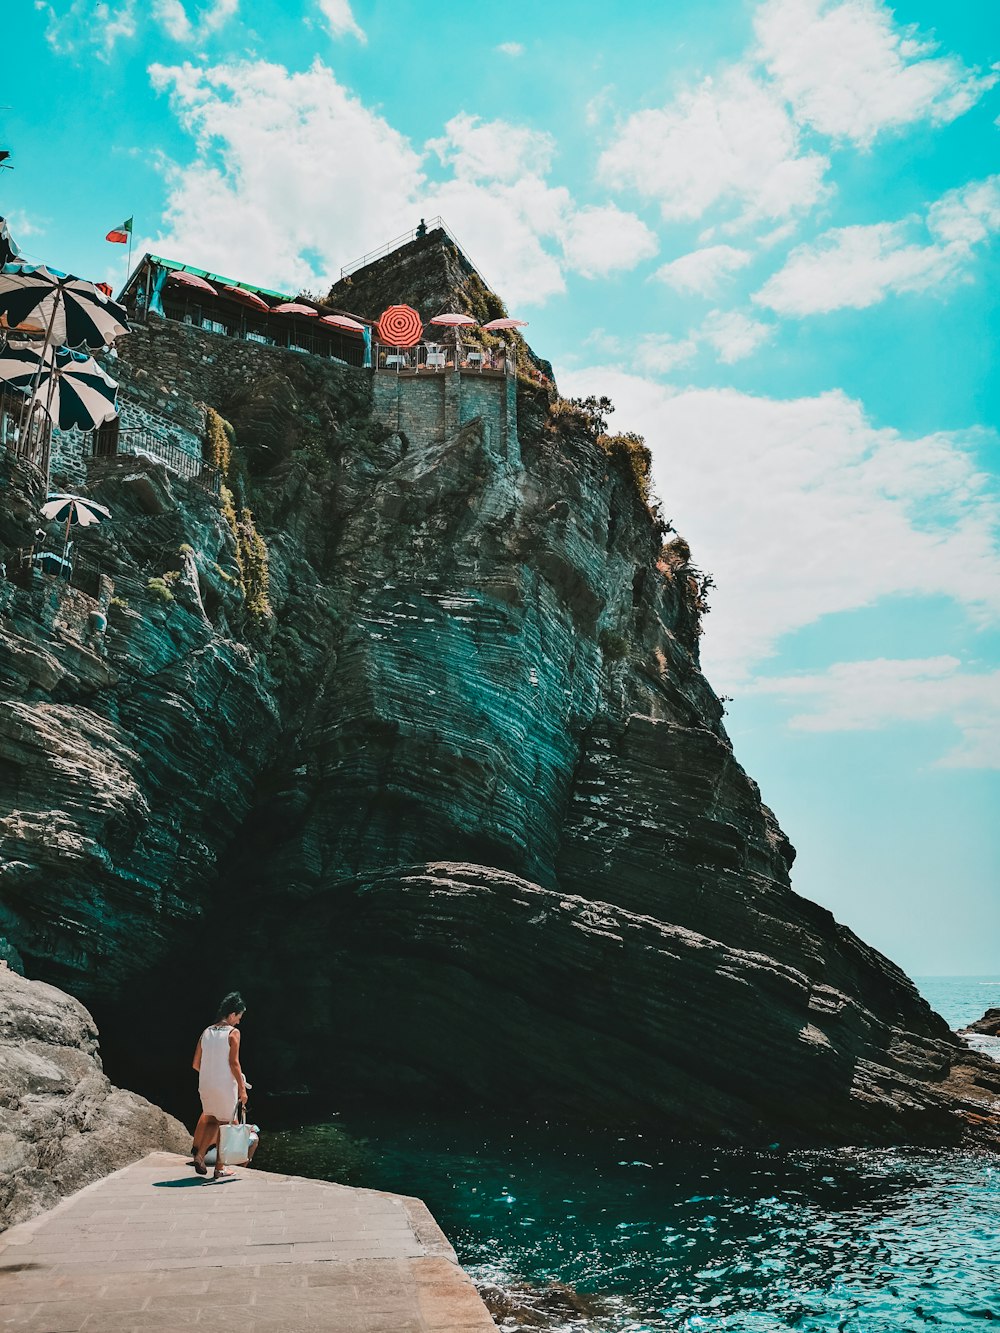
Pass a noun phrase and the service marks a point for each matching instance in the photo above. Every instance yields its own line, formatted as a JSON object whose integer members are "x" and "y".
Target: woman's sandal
{"x": 199, "y": 1164}
{"x": 223, "y": 1174}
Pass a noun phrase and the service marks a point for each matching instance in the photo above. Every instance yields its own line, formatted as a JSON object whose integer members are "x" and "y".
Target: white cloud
{"x": 599, "y": 105}
{"x": 340, "y": 19}
{"x": 703, "y": 271}
{"x": 218, "y": 14}
{"x": 503, "y": 225}
{"x": 855, "y": 267}
{"x": 659, "y": 354}
{"x": 84, "y": 23}
{"x": 803, "y": 508}
{"x": 493, "y": 150}
{"x": 599, "y": 241}
{"x": 850, "y": 72}
{"x": 511, "y": 49}
{"x": 285, "y": 163}
{"x": 298, "y": 176}
{"x": 728, "y": 142}
{"x": 500, "y": 204}
{"x": 172, "y": 17}
{"x": 872, "y": 695}
{"x": 733, "y": 335}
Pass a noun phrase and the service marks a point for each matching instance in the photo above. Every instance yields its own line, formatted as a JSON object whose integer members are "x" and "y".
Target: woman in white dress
{"x": 220, "y": 1081}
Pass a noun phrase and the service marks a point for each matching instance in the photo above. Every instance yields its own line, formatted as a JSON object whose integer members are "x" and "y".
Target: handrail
{"x": 429, "y": 224}
{"x": 437, "y": 358}
{"x": 389, "y": 246}
{"x": 141, "y": 441}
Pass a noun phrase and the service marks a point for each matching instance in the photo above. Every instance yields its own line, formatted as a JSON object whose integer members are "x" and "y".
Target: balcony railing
{"x": 431, "y": 358}
{"x": 28, "y": 438}
{"x": 141, "y": 443}
{"x": 291, "y": 333}
{"x": 427, "y": 226}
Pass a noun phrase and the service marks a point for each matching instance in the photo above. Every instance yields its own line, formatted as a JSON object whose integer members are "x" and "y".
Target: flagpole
{"x": 128, "y": 261}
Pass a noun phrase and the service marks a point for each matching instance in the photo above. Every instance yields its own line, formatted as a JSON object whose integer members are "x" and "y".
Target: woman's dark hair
{"x": 233, "y": 1003}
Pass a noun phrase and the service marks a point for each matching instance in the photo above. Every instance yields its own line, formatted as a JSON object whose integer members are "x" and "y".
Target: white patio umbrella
{"x": 8, "y": 250}
{"x": 454, "y": 321}
{"x": 68, "y": 311}
{"x": 70, "y": 387}
{"x": 74, "y": 509}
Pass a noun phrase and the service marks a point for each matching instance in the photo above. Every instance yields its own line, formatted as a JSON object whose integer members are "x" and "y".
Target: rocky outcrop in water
{"x": 987, "y": 1026}
{"x": 62, "y": 1123}
{"x": 461, "y": 816}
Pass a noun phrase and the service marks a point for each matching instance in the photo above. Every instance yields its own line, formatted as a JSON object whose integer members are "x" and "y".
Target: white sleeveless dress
{"x": 216, "y": 1084}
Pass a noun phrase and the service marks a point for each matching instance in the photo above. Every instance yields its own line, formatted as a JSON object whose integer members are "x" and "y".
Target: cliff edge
{"x": 409, "y": 720}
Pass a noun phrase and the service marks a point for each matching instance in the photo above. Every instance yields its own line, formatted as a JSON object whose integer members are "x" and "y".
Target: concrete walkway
{"x": 156, "y": 1247}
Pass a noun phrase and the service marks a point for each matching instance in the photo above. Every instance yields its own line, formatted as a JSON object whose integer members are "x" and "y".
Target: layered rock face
{"x": 462, "y": 818}
{"x": 62, "y": 1123}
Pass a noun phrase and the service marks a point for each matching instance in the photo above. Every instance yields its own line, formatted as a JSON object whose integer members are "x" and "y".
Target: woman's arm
{"x": 234, "y": 1063}
{"x": 196, "y": 1062}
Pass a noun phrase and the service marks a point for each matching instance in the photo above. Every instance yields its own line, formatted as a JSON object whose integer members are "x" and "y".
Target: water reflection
{"x": 678, "y": 1238}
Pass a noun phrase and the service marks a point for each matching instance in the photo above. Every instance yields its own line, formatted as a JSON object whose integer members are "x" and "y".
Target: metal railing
{"x": 431, "y": 358}
{"x": 30, "y": 439}
{"x": 56, "y": 563}
{"x": 284, "y": 332}
{"x": 429, "y": 224}
{"x": 143, "y": 443}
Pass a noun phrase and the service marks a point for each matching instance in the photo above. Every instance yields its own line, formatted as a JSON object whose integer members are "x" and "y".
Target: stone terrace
{"x": 156, "y": 1247}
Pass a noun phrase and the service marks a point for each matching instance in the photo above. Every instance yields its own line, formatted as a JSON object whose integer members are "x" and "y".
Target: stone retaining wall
{"x": 430, "y": 408}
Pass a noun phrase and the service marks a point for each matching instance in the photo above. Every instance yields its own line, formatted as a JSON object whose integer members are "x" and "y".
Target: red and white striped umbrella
{"x": 192, "y": 280}
{"x": 343, "y": 322}
{"x": 496, "y": 324}
{"x": 400, "y": 326}
{"x": 294, "y": 308}
{"x": 454, "y": 321}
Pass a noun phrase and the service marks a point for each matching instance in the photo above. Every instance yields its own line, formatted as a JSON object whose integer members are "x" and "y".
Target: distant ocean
{"x": 960, "y": 1000}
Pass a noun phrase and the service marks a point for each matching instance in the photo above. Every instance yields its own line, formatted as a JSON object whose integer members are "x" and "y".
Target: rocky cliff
{"x": 62, "y": 1124}
{"x": 452, "y": 802}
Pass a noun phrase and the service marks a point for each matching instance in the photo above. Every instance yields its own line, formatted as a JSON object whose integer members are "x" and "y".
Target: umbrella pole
{"x": 69, "y": 519}
{"x": 48, "y": 416}
{"x": 41, "y": 363}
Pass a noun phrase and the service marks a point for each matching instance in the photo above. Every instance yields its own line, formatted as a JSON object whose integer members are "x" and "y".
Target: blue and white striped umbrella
{"x": 70, "y": 387}
{"x": 8, "y": 250}
{"x": 66, "y": 311}
{"x": 61, "y": 507}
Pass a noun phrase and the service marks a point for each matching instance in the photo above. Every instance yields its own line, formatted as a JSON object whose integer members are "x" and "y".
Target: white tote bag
{"x": 234, "y": 1140}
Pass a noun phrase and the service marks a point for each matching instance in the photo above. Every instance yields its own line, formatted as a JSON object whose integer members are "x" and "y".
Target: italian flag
{"x": 120, "y": 234}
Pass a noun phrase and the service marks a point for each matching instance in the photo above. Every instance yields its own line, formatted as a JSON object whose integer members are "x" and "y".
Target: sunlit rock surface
{"x": 62, "y": 1123}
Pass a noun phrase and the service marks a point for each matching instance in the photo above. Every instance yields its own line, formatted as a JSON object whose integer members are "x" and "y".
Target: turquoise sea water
{"x": 669, "y": 1237}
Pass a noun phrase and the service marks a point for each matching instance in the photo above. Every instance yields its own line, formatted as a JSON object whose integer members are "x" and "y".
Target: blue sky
{"x": 767, "y": 228}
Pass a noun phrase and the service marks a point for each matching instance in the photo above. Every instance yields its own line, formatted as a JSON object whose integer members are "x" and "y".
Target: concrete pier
{"x": 156, "y": 1247}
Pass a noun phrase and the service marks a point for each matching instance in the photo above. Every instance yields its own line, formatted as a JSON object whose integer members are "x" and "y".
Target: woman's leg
{"x": 203, "y": 1141}
{"x": 205, "y": 1133}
